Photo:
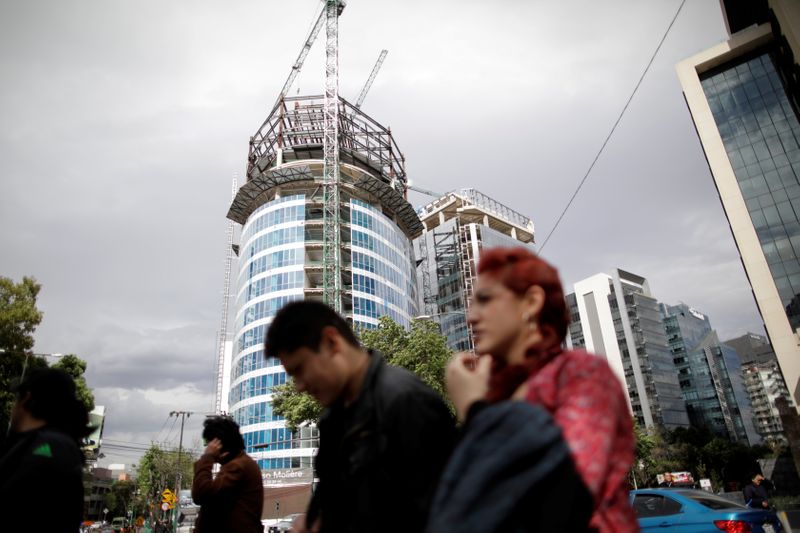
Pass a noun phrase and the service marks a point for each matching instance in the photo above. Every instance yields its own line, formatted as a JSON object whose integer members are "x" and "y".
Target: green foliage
{"x": 158, "y": 469}
{"x": 76, "y": 367}
{"x": 120, "y": 498}
{"x": 695, "y": 450}
{"x": 18, "y": 314}
{"x": 422, "y": 350}
{"x": 295, "y": 407}
{"x": 18, "y": 320}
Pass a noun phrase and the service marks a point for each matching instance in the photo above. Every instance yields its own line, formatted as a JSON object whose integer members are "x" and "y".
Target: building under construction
{"x": 323, "y": 215}
{"x": 457, "y": 227}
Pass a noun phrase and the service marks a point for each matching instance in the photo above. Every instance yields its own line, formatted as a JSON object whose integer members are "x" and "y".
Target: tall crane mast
{"x": 371, "y": 78}
{"x": 331, "y": 233}
{"x": 226, "y": 296}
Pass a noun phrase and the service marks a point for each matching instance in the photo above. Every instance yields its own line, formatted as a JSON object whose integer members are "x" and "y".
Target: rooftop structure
{"x": 457, "y": 227}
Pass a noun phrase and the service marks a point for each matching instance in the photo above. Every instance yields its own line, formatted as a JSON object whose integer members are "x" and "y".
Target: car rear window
{"x": 712, "y": 502}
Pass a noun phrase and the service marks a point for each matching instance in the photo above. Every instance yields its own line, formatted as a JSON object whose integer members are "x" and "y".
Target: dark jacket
{"x": 512, "y": 472}
{"x": 232, "y": 501}
{"x": 755, "y": 496}
{"x": 380, "y": 458}
{"x": 43, "y": 465}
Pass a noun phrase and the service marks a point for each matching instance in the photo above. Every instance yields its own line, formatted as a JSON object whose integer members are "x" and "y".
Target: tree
{"x": 19, "y": 317}
{"x": 422, "y": 350}
{"x": 120, "y": 499}
{"x": 18, "y": 314}
{"x": 158, "y": 470}
{"x": 76, "y": 367}
{"x": 695, "y": 450}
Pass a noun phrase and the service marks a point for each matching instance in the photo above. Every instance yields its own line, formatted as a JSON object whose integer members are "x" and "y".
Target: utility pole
{"x": 183, "y": 415}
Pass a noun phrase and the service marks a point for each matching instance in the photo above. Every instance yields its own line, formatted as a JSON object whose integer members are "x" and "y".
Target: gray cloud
{"x": 124, "y": 122}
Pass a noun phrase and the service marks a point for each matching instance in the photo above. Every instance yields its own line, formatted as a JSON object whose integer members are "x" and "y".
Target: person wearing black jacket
{"x": 755, "y": 494}
{"x": 384, "y": 437}
{"x": 42, "y": 456}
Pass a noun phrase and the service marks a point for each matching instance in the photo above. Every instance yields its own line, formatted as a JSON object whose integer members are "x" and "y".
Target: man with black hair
{"x": 48, "y": 423}
{"x": 232, "y": 501}
{"x": 755, "y": 493}
{"x": 384, "y": 437}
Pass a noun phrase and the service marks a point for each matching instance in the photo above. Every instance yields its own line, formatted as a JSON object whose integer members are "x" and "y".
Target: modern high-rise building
{"x": 618, "y": 318}
{"x": 280, "y": 255}
{"x": 743, "y": 96}
{"x": 709, "y": 374}
{"x": 456, "y": 227}
{"x": 764, "y": 382}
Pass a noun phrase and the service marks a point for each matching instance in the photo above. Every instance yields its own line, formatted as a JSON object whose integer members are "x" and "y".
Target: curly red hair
{"x": 518, "y": 269}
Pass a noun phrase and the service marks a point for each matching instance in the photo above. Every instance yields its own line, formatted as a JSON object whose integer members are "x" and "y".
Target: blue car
{"x": 698, "y": 511}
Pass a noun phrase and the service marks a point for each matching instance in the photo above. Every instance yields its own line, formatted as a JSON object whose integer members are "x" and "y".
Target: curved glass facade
{"x": 384, "y": 281}
{"x": 271, "y": 273}
{"x": 280, "y": 258}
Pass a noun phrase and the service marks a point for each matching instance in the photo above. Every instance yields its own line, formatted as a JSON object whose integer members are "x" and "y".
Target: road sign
{"x": 164, "y": 506}
{"x": 168, "y": 498}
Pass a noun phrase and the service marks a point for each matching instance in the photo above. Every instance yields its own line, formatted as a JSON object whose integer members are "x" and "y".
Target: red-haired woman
{"x": 548, "y": 441}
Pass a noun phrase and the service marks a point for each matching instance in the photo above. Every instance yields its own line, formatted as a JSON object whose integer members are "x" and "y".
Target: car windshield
{"x": 712, "y": 502}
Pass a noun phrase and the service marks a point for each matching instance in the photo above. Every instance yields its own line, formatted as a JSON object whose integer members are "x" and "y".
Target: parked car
{"x": 698, "y": 511}
{"x": 285, "y": 524}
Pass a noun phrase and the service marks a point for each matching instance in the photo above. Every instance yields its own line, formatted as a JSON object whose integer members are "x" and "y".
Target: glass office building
{"x": 760, "y": 131}
{"x": 280, "y": 258}
{"x": 743, "y": 98}
{"x": 710, "y": 376}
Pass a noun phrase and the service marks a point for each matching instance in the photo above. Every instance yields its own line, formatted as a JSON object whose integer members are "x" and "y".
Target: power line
{"x": 613, "y": 128}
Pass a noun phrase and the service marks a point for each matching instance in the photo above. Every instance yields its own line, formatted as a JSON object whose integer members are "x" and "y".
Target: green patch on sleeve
{"x": 43, "y": 450}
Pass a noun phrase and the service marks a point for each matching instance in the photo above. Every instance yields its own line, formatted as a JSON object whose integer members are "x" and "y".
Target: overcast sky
{"x": 122, "y": 124}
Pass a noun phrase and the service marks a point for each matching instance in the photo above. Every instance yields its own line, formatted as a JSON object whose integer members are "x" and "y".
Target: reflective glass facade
{"x": 383, "y": 280}
{"x": 280, "y": 258}
{"x": 270, "y": 274}
{"x": 709, "y": 376}
{"x": 760, "y": 131}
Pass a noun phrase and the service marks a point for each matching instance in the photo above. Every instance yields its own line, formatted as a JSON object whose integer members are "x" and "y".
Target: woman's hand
{"x": 467, "y": 381}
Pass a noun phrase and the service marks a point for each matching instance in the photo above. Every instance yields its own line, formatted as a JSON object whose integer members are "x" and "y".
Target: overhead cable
{"x": 613, "y": 128}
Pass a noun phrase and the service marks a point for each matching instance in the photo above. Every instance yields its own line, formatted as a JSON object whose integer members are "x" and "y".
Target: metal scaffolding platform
{"x": 294, "y": 131}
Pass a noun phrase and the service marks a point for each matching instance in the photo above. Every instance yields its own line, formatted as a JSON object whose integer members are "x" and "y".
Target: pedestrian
{"x": 547, "y": 442}
{"x": 231, "y": 501}
{"x": 755, "y": 493}
{"x": 384, "y": 435}
{"x": 42, "y": 453}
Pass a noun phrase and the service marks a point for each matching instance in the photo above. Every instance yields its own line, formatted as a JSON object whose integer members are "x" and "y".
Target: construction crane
{"x": 298, "y": 64}
{"x": 424, "y": 191}
{"x": 331, "y": 232}
{"x": 226, "y": 296}
{"x": 371, "y": 78}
